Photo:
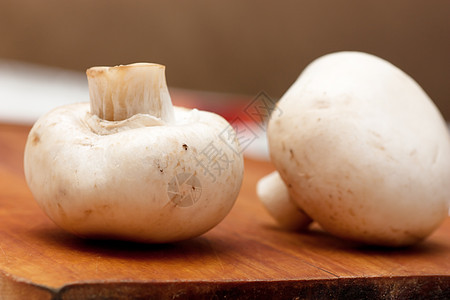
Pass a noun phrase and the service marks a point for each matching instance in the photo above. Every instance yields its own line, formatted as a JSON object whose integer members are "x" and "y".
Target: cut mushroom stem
{"x": 274, "y": 194}
{"x": 120, "y": 92}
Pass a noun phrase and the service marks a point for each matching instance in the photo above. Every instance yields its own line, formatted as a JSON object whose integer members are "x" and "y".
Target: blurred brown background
{"x": 231, "y": 46}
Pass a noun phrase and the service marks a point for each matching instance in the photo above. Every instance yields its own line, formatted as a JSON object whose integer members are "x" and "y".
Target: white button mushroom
{"x": 131, "y": 166}
{"x": 362, "y": 150}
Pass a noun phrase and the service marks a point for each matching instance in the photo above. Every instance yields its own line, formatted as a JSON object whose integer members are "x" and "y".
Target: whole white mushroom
{"x": 363, "y": 150}
{"x": 130, "y": 165}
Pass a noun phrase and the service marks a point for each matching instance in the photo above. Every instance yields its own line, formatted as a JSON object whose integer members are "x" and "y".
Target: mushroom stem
{"x": 274, "y": 194}
{"x": 120, "y": 92}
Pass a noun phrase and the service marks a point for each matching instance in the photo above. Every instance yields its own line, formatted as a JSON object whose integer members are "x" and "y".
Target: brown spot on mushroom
{"x": 87, "y": 212}
{"x": 35, "y": 139}
{"x": 185, "y": 147}
{"x": 291, "y": 153}
{"x": 158, "y": 165}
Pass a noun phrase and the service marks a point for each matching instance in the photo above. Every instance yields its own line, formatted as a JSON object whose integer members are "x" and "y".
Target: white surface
{"x": 28, "y": 91}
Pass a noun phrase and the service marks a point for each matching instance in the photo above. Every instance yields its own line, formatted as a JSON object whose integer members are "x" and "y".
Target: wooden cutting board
{"x": 246, "y": 256}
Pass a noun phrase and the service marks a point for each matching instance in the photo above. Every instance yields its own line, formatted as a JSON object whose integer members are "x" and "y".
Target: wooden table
{"x": 246, "y": 256}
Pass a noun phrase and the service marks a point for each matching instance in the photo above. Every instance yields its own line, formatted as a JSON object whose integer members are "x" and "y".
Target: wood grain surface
{"x": 246, "y": 256}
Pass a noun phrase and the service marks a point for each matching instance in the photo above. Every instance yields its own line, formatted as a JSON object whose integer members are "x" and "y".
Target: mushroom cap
{"x": 140, "y": 180}
{"x": 364, "y": 149}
